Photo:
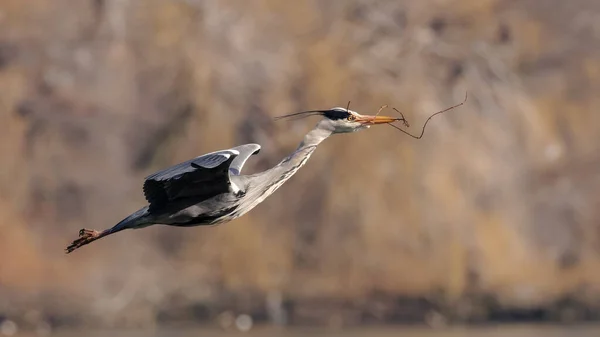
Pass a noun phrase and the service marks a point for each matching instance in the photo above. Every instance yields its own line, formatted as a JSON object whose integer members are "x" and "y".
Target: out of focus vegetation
{"x": 495, "y": 212}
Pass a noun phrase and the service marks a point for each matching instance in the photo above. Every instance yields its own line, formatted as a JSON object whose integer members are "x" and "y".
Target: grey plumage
{"x": 210, "y": 189}
{"x": 202, "y": 177}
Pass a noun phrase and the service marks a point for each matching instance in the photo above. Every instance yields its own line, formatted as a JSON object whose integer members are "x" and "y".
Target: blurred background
{"x": 493, "y": 217}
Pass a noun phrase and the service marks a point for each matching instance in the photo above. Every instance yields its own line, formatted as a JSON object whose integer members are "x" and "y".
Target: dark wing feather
{"x": 203, "y": 176}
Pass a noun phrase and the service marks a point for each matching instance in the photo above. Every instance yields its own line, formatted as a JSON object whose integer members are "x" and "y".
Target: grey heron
{"x": 210, "y": 189}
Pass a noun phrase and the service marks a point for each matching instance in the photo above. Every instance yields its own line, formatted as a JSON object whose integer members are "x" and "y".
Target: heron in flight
{"x": 210, "y": 189}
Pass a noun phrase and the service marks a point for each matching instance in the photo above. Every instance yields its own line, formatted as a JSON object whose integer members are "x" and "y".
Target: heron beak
{"x": 372, "y": 120}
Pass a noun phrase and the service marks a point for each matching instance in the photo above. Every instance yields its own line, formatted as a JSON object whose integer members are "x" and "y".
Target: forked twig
{"x": 380, "y": 109}
{"x": 427, "y": 121}
{"x": 404, "y": 121}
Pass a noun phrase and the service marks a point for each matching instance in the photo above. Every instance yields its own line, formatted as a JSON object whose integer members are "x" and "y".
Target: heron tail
{"x": 87, "y": 236}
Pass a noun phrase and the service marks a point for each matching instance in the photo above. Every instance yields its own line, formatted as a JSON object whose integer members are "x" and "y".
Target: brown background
{"x": 497, "y": 207}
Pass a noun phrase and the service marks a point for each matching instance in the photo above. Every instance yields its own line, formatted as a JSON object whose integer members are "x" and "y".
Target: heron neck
{"x": 306, "y": 148}
{"x": 264, "y": 184}
{"x": 272, "y": 179}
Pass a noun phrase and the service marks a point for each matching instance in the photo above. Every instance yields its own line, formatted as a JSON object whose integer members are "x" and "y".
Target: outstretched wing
{"x": 246, "y": 151}
{"x": 204, "y": 176}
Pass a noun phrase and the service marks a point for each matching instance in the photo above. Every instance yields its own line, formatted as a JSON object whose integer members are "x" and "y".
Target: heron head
{"x": 342, "y": 120}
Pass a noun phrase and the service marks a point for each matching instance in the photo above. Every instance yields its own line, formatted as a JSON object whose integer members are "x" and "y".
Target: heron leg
{"x": 86, "y": 236}
{"x": 138, "y": 219}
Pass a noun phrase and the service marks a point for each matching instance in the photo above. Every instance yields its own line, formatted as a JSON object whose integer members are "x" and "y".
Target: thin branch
{"x": 427, "y": 121}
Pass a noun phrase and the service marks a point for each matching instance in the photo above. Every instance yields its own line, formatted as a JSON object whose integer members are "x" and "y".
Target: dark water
{"x": 498, "y": 331}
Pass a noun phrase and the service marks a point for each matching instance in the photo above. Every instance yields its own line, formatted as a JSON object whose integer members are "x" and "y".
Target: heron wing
{"x": 246, "y": 151}
{"x": 204, "y": 176}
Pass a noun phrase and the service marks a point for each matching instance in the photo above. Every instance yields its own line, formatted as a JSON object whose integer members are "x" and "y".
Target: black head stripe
{"x": 335, "y": 114}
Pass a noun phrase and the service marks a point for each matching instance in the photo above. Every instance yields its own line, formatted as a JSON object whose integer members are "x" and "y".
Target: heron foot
{"x": 85, "y": 236}
{"x": 84, "y": 232}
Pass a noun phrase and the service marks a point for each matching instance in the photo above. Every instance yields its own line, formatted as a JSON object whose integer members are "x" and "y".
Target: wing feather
{"x": 245, "y": 152}
{"x": 203, "y": 176}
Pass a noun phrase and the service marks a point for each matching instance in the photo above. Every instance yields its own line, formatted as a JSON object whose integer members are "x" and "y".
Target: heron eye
{"x": 351, "y": 117}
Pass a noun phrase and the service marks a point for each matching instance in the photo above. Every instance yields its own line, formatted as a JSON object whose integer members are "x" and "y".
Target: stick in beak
{"x": 427, "y": 121}
{"x": 404, "y": 121}
{"x": 372, "y": 120}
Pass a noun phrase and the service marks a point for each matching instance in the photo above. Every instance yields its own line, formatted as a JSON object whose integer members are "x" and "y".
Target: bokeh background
{"x": 493, "y": 216}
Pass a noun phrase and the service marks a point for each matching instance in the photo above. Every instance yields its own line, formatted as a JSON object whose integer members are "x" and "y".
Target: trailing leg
{"x": 86, "y": 236}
